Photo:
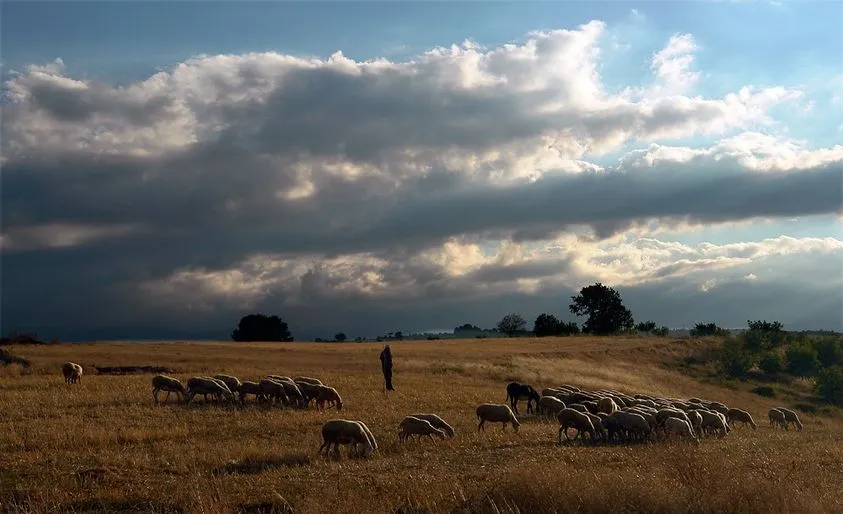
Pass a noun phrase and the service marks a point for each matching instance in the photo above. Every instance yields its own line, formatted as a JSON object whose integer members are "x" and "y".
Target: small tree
{"x": 511, "y": 323}
{"x": 802, "y": 360}
{"x": 707, "y": 329}
{"x": 546, "y": 325}
{"x": 829, "y": 385}
{"x": 340, "y": 337}
{"x": 604, "y": 308}
{"x": 764, "y": 325}
{"x": 569, "y": 328}
{"x": 662, "y": 331}
{"x": 260, "y": 327}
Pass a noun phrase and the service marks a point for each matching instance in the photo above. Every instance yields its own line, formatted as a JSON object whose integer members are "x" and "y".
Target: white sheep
{"x": 791, "y": 417}
{"x": 570, "y": 418}
{"x": 233, "y": 383}
{"x": 712, "y": 421}
{"x": 550, "y": 405}
{"x": 72, "y": 372}
{"x": 342, "y": 431}
{"x": 607, "y": 405}
{"x": 496, "y": 413}
{"x": 169, "y": 384}
{"x": 437, "y": 422}
{"x": 253, "y": 388}
{"x": 680, "y": 427}
{"x": 330, "y": 396}
{"x": 411, "y": 425}
{"x": 777, "y": 419}
{"x": 206, "y": 386}
{"x": 742, "y": 416}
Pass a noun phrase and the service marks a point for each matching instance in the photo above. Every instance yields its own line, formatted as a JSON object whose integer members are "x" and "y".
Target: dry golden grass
{"x": 104, "y": 446}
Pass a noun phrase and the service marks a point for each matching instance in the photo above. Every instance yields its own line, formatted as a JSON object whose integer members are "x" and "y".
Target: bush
{"x": 765, "y": 391}
{"x": 771, "y": 363}
{"x": 829, "y": 351}
{"x": 734, "y": 360}
{"x": 661, "y": 331}
{"x": 829, "y": 385}
{"x": 802, "y": 360}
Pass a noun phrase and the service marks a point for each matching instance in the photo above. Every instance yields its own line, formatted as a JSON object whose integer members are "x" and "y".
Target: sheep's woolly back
{"x": 308, "y": 380}
{"x": 412, "y": 425}
{"x": 437, "y": 422}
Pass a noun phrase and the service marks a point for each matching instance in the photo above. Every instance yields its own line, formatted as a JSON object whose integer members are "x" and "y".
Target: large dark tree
{"x": 512, "y": 323}
{"x": 260, "y": 327}
{"x": 604, "y": 308}
{"x": 547, "y": 325}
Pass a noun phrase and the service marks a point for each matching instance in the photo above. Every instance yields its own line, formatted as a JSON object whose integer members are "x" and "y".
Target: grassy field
{"x": 104, "y": 445}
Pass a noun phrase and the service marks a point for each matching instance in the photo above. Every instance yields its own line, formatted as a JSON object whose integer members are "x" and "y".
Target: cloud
{"x": 464, "y": 174}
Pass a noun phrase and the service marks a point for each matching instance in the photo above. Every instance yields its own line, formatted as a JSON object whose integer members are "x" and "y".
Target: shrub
{"x": 771, "y": 363}
{"x": 802, "y": 360}
{"x": 829, "y": 385}
{"x": 765, "y": 391}
{"x": 829, "y": 351}
{"x": 734, "y": 360}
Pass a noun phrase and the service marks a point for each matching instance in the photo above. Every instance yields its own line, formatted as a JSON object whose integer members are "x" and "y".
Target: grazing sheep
{"x": 437, "y": 422}
{"x": 496, "y": 413}
{"x": 632, "y": 425}
{"x": 330, "y": 396}
{"x": 309, "y": 392}
{"x": 252, "y": 388}
{"x": 169, "y": 384}
{"x": 570, "y": 418}
{"x": 411, "y": 425}
{"x": 607, "y": 405}
{"x": 719, "y": 407}
{"x": 725, "y": 422}
{"x": 791, "y": 417}
{"x": 206, "y": 386}
{"x": 279, "y": 378}
{"x": 516, "y": 391}
{"x": 291, "y": 389}
{"x": 233, "y": 383}
{"x": 550, "y": 405}
{"x": 591, "y": 406}
{"x": 597, "y": 421}
{"x": 578, "y": 407}
{"x": 742, "y": 416}
{"x": 664, "y": 414}
{"x": 274, "y": 390}
{"x": 581, "y": 396}
{"x": 342, "y": 431}
{"x": 696, "y": 421}
{"x": 777, "y": 419}
{"x": 308, "y": 380}
{"x": 369, "y": 436}
{"x": 72, "y": 372}
{"x": 681, "y": 428}
{"x": 711, "y": 422}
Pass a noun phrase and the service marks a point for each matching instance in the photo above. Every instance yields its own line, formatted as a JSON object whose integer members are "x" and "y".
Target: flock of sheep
{"x": 602, "y": 415}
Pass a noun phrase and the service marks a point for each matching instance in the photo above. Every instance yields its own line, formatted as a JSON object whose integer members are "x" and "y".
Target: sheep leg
{"x": 481, "y": 425}
{"x": 155, "y": 395}
{"x": 167, "y": 396}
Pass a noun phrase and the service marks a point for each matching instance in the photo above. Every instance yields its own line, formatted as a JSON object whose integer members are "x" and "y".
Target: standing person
{"x": 386, "y": 367}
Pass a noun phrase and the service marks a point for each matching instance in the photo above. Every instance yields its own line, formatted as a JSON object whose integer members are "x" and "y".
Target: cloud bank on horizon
{"x": 452, "y": 186}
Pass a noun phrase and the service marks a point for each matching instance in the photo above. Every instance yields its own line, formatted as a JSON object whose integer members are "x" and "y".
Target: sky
{"x": 367, "y": 167}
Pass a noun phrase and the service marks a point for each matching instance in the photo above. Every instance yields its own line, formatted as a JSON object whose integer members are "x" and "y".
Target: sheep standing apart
{"x": 233, "y": 383}
{"x": 742, "y": 416}
{"x": 496, "y": 413}
{"x": 330, "y": 396}
{"x": 169, "y": 384}
{"x": 777, "y": 419}
{"x": 550, "y": 405}
{"x": 437, "y": 422}
{"x": 680, "y": 427}
{"x": 570, "y": 418}
{"x": 791, "y": 417}
{"x": 607, "y": 405}
{"x": 412, "y": 425}
{"x": 342, "y": 431}
{"x": 72, "y": 372}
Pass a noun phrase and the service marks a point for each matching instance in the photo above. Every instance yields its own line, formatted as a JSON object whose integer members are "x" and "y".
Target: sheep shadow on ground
{"x": 254, "y": 464}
